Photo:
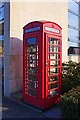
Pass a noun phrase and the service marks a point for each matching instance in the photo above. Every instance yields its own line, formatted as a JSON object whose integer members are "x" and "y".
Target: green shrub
{"x": 70, "y": 103}
{"x": 70, "y": 76}
{"x": 70, "y": 98}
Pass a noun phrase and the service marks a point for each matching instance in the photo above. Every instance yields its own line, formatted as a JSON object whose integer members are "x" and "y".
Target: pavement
{"x": 0, "y": 99}
{"x": 12, "y": 109}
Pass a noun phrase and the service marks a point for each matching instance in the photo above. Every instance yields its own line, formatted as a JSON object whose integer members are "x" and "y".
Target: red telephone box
{"x": 42, "y": 63}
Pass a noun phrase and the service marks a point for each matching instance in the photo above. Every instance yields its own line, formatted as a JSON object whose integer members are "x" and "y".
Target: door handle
{"x": 46, "y": 63}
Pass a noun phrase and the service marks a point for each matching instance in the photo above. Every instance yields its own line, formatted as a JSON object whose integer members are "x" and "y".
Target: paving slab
{"x": 15, "y": 110}
{"x": 11, "y": 109}
{"x": 54, "y": 112}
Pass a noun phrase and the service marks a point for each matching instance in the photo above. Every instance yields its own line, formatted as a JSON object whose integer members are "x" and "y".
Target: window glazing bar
{"x": 75, "y": 1}
{"x": 70, "y": 40}
{"x": 73, "y": 12}
{"x": 74, "y": 28}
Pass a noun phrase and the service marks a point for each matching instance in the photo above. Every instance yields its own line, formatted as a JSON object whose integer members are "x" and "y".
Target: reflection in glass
{"x": 52, "y": 86}
{"x": 53, "y": 70}
{"x": 31, "y": 49}
{"x": 32, "y": 84}
{"x": 54, "y": 63}
{"x": 1, "y": 13}
{"x": 32, "y": 60}
{"x": 53, "y": 41}
{"x": 32, "y": 63}
{"x": 32, "y": 78}
{"x": 73, "y": 6}
{"x": 1, "y": 37}
{"x": 53, "y": 78}
{"x": 53, "y": 49}
{"x": 32, "y": 56}
{"x": 1, "y": 4}
{"x": 70, "y": 44}
{"x": 53, "y": 56}
{"x": 31, "y": 92}
{"x": 32, "y": 70}
{"x": 73, "y": 20}
{"x": 73, "y": 35}
{"x": 53, "y": 93}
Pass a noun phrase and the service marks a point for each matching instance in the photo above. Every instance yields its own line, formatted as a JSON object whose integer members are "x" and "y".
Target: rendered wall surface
{"x": 22, "y": 13}
{"x": 74, "y": 58}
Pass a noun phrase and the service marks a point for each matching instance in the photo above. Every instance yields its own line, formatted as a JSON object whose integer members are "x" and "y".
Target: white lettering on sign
{"x": 52, "y": 29}
{"x": 32, "y": 29}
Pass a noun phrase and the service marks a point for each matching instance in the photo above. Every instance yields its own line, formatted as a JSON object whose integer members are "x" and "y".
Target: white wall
{"x": 74, "y": 58}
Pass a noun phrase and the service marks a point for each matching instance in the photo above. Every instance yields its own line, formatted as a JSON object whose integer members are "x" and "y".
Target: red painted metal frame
{"x": 41, "y": 101}
{"x": 31, "y": 99}
{"x": 55, "y": 99}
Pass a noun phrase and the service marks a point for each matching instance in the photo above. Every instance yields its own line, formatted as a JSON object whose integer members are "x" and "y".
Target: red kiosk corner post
{"x": 42, "y": 63}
